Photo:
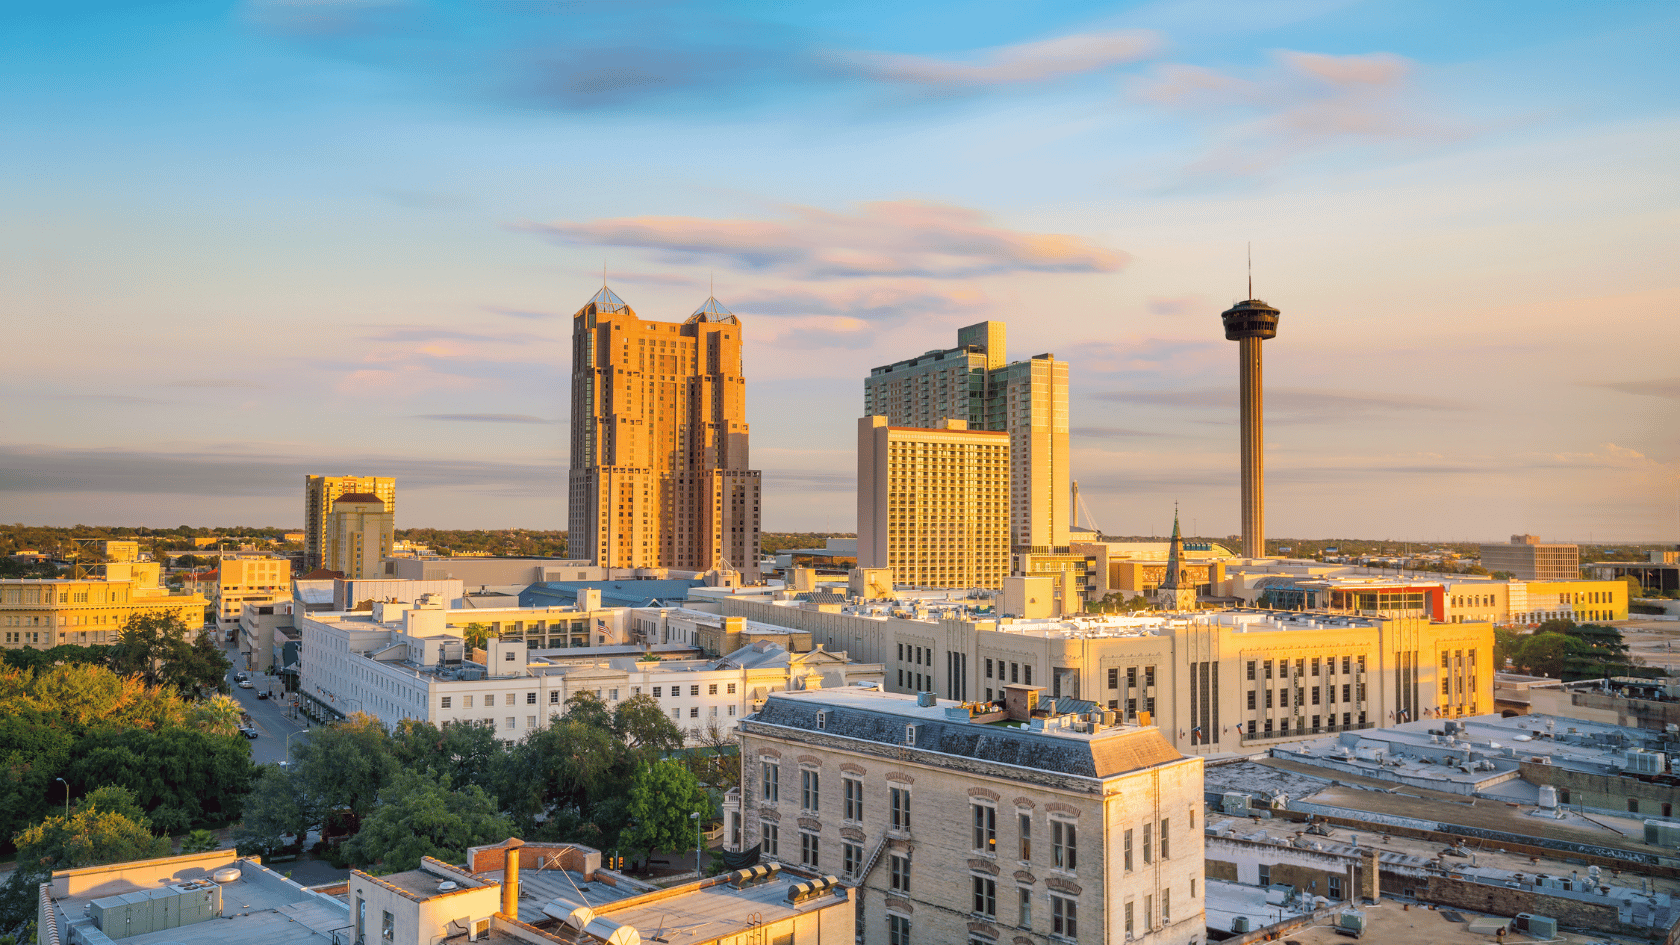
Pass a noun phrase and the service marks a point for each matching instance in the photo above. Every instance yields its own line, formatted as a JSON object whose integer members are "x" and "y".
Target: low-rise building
{"x": 1529, "y": 559}
{"x": 250, "y": 580}
{"x": 401, "y": 662}
{"x": 956, "y": 828}
{"x": 46, "y": 612}
{"x": 1211, "y": 681}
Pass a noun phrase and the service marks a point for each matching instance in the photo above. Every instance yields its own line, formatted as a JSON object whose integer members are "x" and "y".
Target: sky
{"x": 243, "y": 243}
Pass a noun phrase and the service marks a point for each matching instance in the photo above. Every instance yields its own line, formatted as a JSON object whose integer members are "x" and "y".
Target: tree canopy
{"x": 419, "y": 814}
{"x": 665, "y": 802}
{"x": 154, "y": 647}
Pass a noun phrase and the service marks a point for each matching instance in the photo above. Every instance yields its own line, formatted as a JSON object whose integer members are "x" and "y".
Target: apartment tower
{"x": 659, "y": 475}
{"x": 933, "y": 505}
{"x": 319, "y": 494}
{"x": 359, "y": 535}
{"x": 1248, "y": 323}
{"x": 1027, "y": 400}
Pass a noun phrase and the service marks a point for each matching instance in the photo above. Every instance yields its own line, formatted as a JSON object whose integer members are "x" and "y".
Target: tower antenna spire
{"x": 603, "y": 273}
{"x": 1251, "y": 271}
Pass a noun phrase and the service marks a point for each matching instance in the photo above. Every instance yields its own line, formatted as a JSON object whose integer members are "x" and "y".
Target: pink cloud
{"x": 906, "y": 238}
{"x": 1020, "y": 64}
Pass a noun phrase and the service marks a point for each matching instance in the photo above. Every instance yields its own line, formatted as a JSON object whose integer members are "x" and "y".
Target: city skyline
{"x": 265, "y": 240}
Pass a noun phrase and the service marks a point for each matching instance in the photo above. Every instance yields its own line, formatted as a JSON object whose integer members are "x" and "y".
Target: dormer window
{"x": 909, "y": 734}
{"x": 822, "y": 719}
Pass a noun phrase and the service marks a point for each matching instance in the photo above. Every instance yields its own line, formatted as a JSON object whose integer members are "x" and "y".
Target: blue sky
{"x": 246, "y": 242}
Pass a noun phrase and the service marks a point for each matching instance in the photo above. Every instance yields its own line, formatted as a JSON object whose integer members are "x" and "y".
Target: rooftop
{"x": 1064, "y": 745}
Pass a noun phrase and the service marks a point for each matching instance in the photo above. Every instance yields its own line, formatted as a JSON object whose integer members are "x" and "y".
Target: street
{"x": 268, "y": 716}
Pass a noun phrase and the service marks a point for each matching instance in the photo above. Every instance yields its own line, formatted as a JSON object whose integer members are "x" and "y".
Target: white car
{"x": 246, "y": 684}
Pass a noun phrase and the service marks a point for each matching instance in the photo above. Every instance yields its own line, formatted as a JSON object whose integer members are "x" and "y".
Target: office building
{"x": 955, "y": 827}
{"x": 1248, "y": 323}
{"x": 660, "y": 475}
{"x": 1658, "y": 574}
{"x": 249, "y": 580}
{"x": 1026, "y": 399}
{"x": 933, "y": 505}
{"x": 319, "y": 494}
{"x": 43, "y": 613}
{"x": 357, "y": 535}
{"x": 1529, "y": 559}
{"x": 1211, "y": 681}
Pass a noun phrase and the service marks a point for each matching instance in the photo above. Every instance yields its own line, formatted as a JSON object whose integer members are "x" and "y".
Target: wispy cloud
{"x": 484, "y": 417}
{"x": 1146, "y": 356}
{"x": 426, "y": 333}
{"x": 1666, "y": 388}
{"x": 1112, "y": 433}
{"x": 215, "y": 383}
{"x": 1022, "y": 64}
{"x": 1179, "y": 305}
{"x": 905, "y": 238}
{"x": 532, "y": 314}
{"x": 1288, "y": 405}
{"x": 867, "y": 300}
{"x": 1302, "y": 102}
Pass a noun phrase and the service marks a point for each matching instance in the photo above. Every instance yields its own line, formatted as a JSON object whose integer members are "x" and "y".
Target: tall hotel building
{"x": 659, "y": 475}
{"x": 1028, "y": 400}
{"x": 319, "y": 495}
{"x": 933, "y": 505}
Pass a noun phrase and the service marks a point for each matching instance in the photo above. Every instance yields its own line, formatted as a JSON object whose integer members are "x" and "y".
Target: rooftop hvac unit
{"x": 1644, "y": 762}
{"x": 1542, "y": 928}
{"x": 1239, "y": 923}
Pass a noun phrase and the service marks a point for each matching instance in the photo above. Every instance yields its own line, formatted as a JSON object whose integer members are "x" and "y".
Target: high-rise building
{"x": 319, "y": 493}
{"x": 1248, "y": 323}
{"x": 252, "y": 580}
{"x": 359, "y": 533}
{"x": 1530, "y": 559}
{"x": 933, "y": 505}
{"x": 1026, "y": 399}
{"x": 659, "y": 472}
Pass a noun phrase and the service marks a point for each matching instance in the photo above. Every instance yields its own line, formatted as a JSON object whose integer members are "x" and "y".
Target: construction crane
{"x": 1079, "y": 507}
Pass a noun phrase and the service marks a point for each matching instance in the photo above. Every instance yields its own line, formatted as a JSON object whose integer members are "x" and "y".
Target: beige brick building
{"x": 957, "y": 830}
{"x": 44, "y": 613}
{"x": 358, "y": 536}
{"x": 933, "y": 505}
{"x": 250, "y": 580}
{"x": 319, "y": 494}
{"x": 1210, "y": 681}
{"x": 659, "y": 468}
{"x": 1530, "y": 559}
{"x": 1027, "y": 400}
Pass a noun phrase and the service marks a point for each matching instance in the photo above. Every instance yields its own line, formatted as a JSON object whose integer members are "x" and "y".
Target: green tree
{"x": 1544, "y": 654}
{"x": 1506, "y": 642}
{"x": 154, "y": 647}
{"x": 467, "y": 752}
{"x": 181, "y": 777}
{"x": 345, "y": 765}
{"x": 199, "y": 841}
{"x": 663, "y": 801}
{"x": 419, "y": 815}
{"x": 276, "y": 808}
{"x": 476, "y": 636}
{"x": 105, "y": 827}
{"x": 642, "y": 725}
{"x": 1635, "y": 589}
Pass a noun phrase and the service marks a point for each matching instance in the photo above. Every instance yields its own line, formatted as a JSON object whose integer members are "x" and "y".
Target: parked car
{"x": 263, "y": 694}
{"x": 246, "y": 684}
{"x": 248, "y": 731}
{"x": 241, "y": 676}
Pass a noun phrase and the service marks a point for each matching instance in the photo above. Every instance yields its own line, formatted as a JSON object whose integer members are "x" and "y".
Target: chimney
{"x": 510, "y": 879}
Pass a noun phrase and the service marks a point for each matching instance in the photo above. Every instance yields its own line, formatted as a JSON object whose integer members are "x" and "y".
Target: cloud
{"x": 422, "y": 333}
{"x": 217, "y": 383}
{"x": 1153, "y": 356}
{"x": 238, "y": 470}
{"x": 1004, "y": 66}
{"x": 1182, "y": 305}
{"x": 869, "y": 300}
{"x": 905, "y": 238}
{"x": 1287, "y": 405}
{"x": 484, "y": 417}
{"x": 522, "y": 313}
{"x": 1666, "y": 388}
{"x": 807, "y": 481}
{"x": 1110, "y": 433}
{"x": 815, "y": 333}
{"x": 109, "y": 398}
{"x": 1302, "y": 102}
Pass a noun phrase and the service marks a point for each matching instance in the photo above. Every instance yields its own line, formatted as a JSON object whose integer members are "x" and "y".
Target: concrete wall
{"x": 1502, "y": 900}
{"x": 1608, "y": 793}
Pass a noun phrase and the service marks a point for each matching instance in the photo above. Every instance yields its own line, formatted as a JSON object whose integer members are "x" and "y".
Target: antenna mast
{"x": 1250, "y": 271}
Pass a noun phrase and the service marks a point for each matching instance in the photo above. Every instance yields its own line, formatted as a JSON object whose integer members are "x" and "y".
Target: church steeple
{"x": 1174, "y": 556}
{"x": 1175, "y": 593}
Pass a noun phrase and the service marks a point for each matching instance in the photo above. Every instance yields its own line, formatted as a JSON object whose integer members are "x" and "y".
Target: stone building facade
{"x": 954, "y": 829}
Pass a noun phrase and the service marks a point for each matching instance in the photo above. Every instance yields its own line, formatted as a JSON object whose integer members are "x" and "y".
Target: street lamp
{"x": 66, "y": 796}
{"x": 698, "y": 842}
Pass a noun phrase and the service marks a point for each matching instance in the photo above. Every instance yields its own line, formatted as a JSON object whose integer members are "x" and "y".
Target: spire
{"x": 1174, "y": 555}
{"x": 1251, "y": 272}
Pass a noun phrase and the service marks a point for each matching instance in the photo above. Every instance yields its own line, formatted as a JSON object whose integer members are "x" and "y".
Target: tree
{"x": 476, "y": 636}
{"x": 644, "y": 727}
{"x": 1635, "y": 589}
{"x": 419, "y": 815}
{"x": 467, "y": 752}
{"x": 345, "y": 765}
{"x": 199, "y": 841}
{"x": 105, "y": 827}
{"x": 154, "y": 646}
{"x": 1544, "y": 654}
{"x": 1506, "y": 642}
{"x": 664, "y": 796}
{"x": 181, "y": 777}
{"x": 275, "y": 809}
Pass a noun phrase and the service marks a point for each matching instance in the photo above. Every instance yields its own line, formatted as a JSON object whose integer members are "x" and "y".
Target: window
{"x": 730, "y": 689}
{"x": 554, "y": 697}
{"x": 466, "y": 702}
{"x": 1148, "y": 833}
{"x": 1127, "y": 846}
{"x": 985, "y": 827}
{"x": 693, "y": 711}
{"x": 1166, "y": 904}
{"x": 808, "y": 790}
{"x": 1026, "y": 835}
{"x": 658, "y": 691}
{"x": 711, "y": 689}
{"x": 446, "y": 700}
{"x": 512, "y": 723}
{"x": 853, "y": 789}
{"x": 1251, "y": 695}
{"x": 694, "y": 690}
{"x": 612, "y": 694}
{"x": 988, "y": 668}
{"x": 489, "y": 700}
{"x": 530, "y": 721}
{"x": 1250, "y": 669}
{"x": 1064, "y": 916}
{"x": 1335, "y": 887}
{"x": 851, "y": 858}
{"x": 1014, "y": 672}
{"x": 1064, "y": 846}
{"x": 1025, "y": 920}
{"x": 899, "y": 871}
{"x": 1633, "y": 805}
{"x": 1164, "y": 853}
{"x": 1114, "y": 679}
{"x": 1268, "y": 668}
{"x": 898, "y": 930}
{"x": 1130, "y": 924}
{"x": 985, "y": 896}
{"x": 1265, "y": 875}
{"x": 808, "y": 849}
{"x": 388, "y": 928}
{"x": 899, "y": 805}
{"x": 1026, "y": 674}
{"x": 771, "y": 840}
{"x": 772, "y": 781}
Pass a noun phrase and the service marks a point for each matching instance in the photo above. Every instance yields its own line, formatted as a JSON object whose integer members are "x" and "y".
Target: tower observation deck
{"x": 1248, "y": 323}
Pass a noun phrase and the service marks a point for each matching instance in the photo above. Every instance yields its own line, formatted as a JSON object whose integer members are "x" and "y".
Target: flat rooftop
{"x": 260, "y": 908}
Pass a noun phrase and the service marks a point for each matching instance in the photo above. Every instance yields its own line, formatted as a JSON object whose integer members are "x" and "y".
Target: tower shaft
{"x": 1253, "y": 449}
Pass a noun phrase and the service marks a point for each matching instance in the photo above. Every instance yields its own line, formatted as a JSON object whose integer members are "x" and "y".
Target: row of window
{"x": 1301, "y": 695}
{"x": 1301, "y": 666}
{"x": 1064, "y": 912}
{"x": 1329, "y": 721}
